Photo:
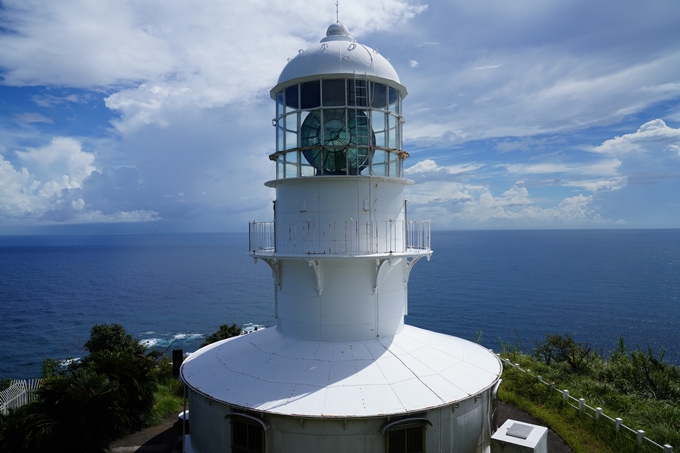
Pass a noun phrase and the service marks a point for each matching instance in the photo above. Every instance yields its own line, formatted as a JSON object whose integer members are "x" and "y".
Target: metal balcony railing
{"x": 350, "y": 237}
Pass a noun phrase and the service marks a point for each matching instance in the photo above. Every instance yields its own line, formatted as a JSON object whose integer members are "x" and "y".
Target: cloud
{"x": 52, "y": 186}
{"x": 33, "y": 118}
{"x": 510, "y": 122}
{"x": 455, "y": 205}
{"x": 61, "y": 165}
{"x": 51, "y": 101}
{"x": 604, "y": 167}
{"x": 430, "y": 168}
{"x": 156, "y": 57}
{"x": 651, "y": 136}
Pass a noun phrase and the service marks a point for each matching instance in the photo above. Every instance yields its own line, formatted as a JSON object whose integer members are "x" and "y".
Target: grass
{"x": 168, "y": 400}
{"x": 602, "y": 383}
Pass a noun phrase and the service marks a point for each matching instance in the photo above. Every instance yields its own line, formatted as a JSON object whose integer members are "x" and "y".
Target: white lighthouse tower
{"x": 341, "y": 372}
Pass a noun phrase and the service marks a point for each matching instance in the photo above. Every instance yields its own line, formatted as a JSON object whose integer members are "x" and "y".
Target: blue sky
{"x": 154, "y": 116}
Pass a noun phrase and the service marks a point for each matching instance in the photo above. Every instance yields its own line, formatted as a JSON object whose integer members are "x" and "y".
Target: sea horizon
{"x": 172, "y": 289}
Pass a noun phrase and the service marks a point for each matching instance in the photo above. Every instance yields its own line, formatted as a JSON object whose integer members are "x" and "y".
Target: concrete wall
{"x": 463, "y": 427}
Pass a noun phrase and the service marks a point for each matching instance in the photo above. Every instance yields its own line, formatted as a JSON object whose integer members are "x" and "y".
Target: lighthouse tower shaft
{"x": 343, "y": 251}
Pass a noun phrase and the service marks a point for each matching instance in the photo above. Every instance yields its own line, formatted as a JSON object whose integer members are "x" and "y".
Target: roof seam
{"x": 416, "y": 376}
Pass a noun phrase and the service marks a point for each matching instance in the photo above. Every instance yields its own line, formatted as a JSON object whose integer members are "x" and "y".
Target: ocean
{"x": 510, "y": 287}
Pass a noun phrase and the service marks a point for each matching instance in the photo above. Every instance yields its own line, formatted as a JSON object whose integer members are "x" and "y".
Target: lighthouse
{"x": 341, "y": 371}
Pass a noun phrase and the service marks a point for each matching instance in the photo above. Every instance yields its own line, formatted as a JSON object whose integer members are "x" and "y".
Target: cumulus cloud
{"x": 51, "y": 186}
{"x": 456, "y": 205}
{"x": 157, "y": 57}
{"x": 504, "y": 95}
{"x": 429, "y": 167}
{"x": 654, "y": 135}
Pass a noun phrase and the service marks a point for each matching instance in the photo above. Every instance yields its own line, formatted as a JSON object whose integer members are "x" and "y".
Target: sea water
{"x": 171, "y": 291}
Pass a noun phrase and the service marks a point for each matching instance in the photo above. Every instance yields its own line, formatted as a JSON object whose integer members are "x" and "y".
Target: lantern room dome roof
{"x": 338, "y": 54}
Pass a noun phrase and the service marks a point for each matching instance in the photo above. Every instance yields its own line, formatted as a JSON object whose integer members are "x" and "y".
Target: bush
{"x": 79, "y": 412}
{"x": 638, "y": 386}
{"x": 85, "y": 406}
{"x": 564, "y": 349}
{"x": 225, "y": 331}
{"x": 112, "y": 338}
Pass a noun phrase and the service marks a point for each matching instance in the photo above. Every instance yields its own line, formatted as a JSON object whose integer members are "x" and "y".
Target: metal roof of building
{"x": 415, "y": 370}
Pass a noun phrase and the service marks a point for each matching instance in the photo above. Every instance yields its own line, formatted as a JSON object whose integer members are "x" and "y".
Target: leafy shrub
{"x": 225, "y": 331}
{"x": 112, "y": 338}
{"x": 564, "y": 349}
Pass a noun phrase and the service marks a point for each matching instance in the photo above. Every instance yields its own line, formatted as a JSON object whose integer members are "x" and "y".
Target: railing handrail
{"x": 349, "y": 237}
{"x": 18, "y": 393}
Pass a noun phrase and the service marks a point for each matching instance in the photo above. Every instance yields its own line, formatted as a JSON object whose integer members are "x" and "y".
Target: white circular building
{"x": 341, "y": 372}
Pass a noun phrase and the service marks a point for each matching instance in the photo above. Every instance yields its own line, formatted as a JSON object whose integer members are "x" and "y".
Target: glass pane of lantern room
{"x": 394, "y": 165}
{"x": 357, "y": 93}
{"x": 279, "y": 135}
{"x": 279, "y": 104}
{"x": 291, "y": 130}
{"x": 310, "y": 94}
{"x": 292, "y": 121}
{"x": 378, "y": 121}
{"x": 378, "y": 163}
{"x": 378, "y": 95}
{"x": 392, "y": 140}
{"x": 279, "y": 167}
{"x": 292, "y": 97}
{"x": 333, "y": 92}
{"x": 291, "y": 140}
{"x": 292, "y": 164}
{"x": 394, "y": 100}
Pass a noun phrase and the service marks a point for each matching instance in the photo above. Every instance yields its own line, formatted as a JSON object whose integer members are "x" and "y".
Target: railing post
{"x": 565, "y": 395}
{"x": 640, "y": 436}
{"x": 581, "y": 404}
{"x": 598, "y": 413}
{"x": 618, "y": 421}
{"x": 667, "y": 449}
{"x": 540, "y": 378}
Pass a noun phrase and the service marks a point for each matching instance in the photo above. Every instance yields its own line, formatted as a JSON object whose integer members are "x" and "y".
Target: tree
{"x": 225, "y": 331}
{"x": 135, "y": 379}
{"x": 558, "y": 348}
{"x": 112, "y": 338}
{"x": 79, "y": 412}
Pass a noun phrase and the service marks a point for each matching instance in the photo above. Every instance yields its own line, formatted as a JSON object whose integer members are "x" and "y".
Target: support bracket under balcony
{"x": 275, "y": 265}
{"x": 409, "y": 266}
{"x": 316, "y": 265}
{"x": 379, "y": 264}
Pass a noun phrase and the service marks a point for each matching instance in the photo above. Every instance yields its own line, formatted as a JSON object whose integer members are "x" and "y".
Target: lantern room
{"x": 338, "y": 111}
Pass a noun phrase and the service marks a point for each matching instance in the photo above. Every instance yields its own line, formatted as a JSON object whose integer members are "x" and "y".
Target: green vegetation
{"x": 637, "y": 386}
{"x": 115, "y": 390}
{"x": 225, "y": 331}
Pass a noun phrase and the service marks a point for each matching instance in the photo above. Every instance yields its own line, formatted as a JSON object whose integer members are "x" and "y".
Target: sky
{"x": 148, "y": 116}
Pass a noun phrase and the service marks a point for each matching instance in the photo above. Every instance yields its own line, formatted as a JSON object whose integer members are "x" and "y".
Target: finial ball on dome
{"x": 336, "y": 29}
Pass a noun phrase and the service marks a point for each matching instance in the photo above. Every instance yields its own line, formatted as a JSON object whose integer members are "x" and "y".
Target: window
{"x": 247, "y": 436}
{"x": 406, "y": 435}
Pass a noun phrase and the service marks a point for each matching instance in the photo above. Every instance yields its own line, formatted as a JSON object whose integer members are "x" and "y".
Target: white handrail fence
{"x": 350, "y": 237}
{"x": 18, "y": 393}
{"x": 595, "y": 412}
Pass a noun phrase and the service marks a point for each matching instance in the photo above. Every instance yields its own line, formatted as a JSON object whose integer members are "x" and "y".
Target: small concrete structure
{"x": 519, "y": 437}
{"x": 341, "y": 372}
